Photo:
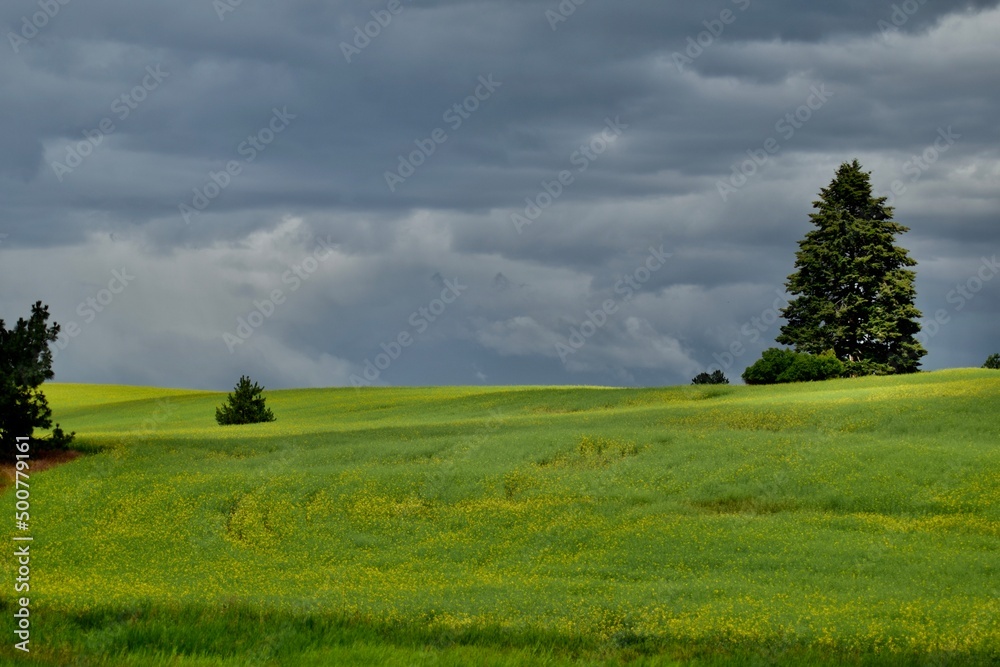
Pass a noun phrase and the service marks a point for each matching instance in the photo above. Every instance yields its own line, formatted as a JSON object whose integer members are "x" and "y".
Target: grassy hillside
{"x": 852, "y": 520}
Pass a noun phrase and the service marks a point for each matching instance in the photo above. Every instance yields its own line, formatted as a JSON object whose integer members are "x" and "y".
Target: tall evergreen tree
{"x": 853, "y": 292}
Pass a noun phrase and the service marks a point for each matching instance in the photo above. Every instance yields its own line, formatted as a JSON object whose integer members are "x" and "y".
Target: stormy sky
{"x": 497, "y": 192}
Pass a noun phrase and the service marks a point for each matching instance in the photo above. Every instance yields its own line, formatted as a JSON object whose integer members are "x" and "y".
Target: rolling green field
{"x": 851, "y": 521}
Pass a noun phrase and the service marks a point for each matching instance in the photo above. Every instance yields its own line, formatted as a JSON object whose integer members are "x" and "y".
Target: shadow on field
{"x": 743, "y": 505}
{"x": 236, "y": 633}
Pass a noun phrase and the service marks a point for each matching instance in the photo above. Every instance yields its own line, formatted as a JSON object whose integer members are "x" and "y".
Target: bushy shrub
{"x": 717, "y": 377}
{"x": 783, "y": 365}
{"x": 992, "y": 361}
{"x": 812, "y": 368}
{"x": 769, "y": 367}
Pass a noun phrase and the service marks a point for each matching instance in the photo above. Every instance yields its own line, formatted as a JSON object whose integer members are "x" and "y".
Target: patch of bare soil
{"x": 40, "y": 460}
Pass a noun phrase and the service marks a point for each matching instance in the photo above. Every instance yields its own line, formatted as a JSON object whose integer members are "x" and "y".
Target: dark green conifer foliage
{"x": 852, "y": 289}
{"x": 244, "y": 406}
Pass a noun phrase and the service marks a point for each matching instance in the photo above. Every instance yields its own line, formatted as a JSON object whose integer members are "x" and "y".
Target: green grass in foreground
{"x": 848, "y": 521}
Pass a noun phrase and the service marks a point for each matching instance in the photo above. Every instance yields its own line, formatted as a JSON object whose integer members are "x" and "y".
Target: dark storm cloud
{"x": 208, "y": 146}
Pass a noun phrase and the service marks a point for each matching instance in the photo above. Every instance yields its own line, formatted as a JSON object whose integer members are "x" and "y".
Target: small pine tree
{"x": 244, "y": 406}
{"x": 993, "y": 361}
{"x": 716, "y": 377}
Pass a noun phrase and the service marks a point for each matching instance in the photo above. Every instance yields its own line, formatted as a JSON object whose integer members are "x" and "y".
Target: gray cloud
{"x": 897, "y": 74}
